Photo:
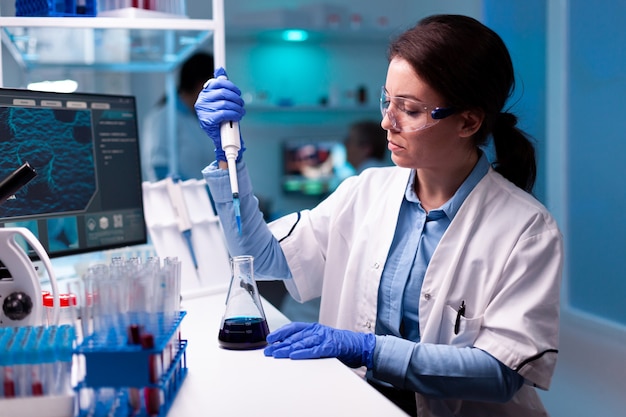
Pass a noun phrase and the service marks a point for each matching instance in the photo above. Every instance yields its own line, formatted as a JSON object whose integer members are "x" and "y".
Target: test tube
{"x": 173, "y": 271}
{"x": 86, "y": 305}
{"x": 134, "y": 397}
{"x": 173, "y": 265}
{"x": 48, "y": 357}
{"x": 152, "y": 395}
{"x": 37, "y": 386}
{"x": 8, "y": 379}
{"x": 93, "y": 300}
{"x": 64, "y": 342}
{"x": 8, "y": 383}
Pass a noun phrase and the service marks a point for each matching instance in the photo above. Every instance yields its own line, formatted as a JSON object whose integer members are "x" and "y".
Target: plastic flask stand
{"x": 243, "y": 325}
{"x": 112, "y": 372}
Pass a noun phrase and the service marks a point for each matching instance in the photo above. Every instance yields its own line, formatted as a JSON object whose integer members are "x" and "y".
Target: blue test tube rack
{"x": 126, "y": 366}
{"x": 56, "y": 8}
{"x": 35, "y": 370}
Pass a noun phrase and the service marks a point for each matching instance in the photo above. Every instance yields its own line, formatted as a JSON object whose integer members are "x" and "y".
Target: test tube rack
{"x": 35, "y": 365}
{"x": 56, "y": 8}
{"x": 131, "y": 366}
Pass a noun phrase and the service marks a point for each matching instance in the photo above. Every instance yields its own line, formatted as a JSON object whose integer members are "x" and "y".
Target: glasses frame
{"x": 436, "y": 113}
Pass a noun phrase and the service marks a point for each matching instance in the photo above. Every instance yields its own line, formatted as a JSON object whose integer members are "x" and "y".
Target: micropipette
{"x": 231, "y": 143}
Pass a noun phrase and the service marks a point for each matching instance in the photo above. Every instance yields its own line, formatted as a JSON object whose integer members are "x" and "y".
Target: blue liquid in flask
{"x": 243, "y": 333}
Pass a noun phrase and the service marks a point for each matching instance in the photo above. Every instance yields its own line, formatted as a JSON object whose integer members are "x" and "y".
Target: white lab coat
{"x": 502, "y": 255}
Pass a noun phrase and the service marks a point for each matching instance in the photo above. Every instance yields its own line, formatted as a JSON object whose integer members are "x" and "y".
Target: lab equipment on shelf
{"x": 91, "y": 8}
{"x": 55, "y": 8}
{"x": 143, "y": 8}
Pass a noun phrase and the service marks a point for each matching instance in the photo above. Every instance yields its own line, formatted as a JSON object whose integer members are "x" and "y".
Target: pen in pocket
{"x": 460, "y": 313}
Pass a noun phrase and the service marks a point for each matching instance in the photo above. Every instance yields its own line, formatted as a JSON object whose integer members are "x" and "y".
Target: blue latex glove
{"x": 313, "y": 340}
{"x": 219, "y": 101}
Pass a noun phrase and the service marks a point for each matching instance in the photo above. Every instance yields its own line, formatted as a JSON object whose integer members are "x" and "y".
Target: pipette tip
{"x": 236, "y": 205}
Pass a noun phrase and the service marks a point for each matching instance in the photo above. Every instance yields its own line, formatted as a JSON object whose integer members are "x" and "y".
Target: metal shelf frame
{"x": 190, "y": 33}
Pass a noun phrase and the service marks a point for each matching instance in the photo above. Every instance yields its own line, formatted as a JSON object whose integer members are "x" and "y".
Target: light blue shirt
{"x": 417, "y": 235}
{"x": 467, "y": 373}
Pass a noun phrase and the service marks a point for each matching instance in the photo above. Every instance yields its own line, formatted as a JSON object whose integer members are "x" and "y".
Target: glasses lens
{"x": 384, "y": 103}
{"x": 405, "y": 115}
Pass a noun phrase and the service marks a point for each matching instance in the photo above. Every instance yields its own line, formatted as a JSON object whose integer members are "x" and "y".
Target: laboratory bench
{"x": 221, "y": 382}
{"x": 225, "y": 382}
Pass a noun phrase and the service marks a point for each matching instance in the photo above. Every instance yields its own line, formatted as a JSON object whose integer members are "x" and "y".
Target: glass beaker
{"x": 243, "y": 325}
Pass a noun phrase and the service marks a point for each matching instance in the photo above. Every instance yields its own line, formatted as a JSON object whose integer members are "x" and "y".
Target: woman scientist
{"x": 441, "y": 275}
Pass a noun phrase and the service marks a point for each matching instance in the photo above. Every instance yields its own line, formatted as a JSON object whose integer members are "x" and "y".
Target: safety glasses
{"x": 408, "y": 115}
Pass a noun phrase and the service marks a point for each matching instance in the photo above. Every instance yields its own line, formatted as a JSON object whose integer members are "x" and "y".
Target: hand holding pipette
{"x": 231, "y": 143}
{"x": 219, "y": 108}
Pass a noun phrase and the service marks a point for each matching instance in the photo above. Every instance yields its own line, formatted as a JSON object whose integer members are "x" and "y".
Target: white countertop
{"x": 225, "y": 383}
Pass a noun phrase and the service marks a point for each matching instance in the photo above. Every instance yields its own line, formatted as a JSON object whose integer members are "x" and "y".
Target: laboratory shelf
{"x": 128, "y": 42}
{"x": 154, "y": 44}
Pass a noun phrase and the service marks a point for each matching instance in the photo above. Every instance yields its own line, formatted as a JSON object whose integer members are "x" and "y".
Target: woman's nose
{"x": 388, "y": 122}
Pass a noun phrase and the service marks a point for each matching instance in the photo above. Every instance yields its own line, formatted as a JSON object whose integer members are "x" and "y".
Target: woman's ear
{"x": 472, "y": 120}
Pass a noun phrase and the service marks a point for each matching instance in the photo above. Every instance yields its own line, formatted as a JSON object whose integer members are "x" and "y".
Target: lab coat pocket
{"x": 468, "y": 328}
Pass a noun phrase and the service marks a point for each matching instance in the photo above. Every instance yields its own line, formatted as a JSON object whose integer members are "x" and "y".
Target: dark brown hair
{"x": 469, "y": 65}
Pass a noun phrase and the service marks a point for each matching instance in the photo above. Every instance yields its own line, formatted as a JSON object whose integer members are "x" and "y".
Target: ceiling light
{"x": 295, "y": 35}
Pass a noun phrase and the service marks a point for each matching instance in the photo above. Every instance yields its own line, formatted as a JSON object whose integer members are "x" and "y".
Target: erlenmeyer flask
{"x": 243, "y": 325}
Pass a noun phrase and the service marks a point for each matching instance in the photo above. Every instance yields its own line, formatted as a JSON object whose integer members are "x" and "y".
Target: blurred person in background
{"x": 366, "y": 146}
{"x": 190, "y": 138}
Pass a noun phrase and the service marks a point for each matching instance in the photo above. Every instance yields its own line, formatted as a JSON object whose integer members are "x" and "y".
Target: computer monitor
{"x": 87, "y": 194}
{"x": 313, "y": 166}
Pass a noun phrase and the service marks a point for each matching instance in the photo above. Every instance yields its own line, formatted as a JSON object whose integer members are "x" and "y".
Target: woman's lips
{"x": 393, "y": 147}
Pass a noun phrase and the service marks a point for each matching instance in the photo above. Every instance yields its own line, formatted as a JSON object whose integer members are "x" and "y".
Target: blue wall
{"x": 522, "y": 26}
{"x": 596, "y": 158}
{"x": 593, "y": 221}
